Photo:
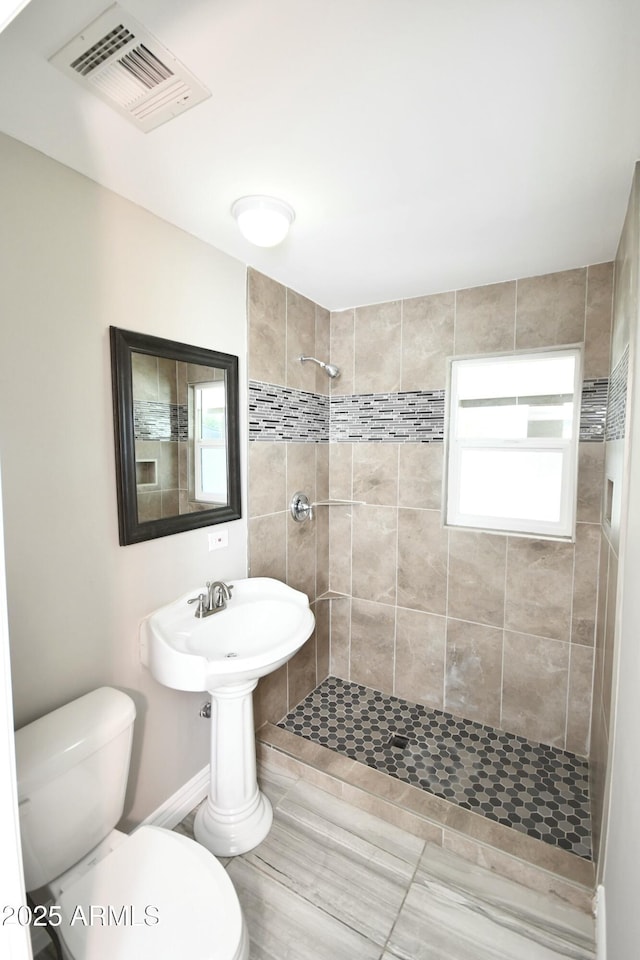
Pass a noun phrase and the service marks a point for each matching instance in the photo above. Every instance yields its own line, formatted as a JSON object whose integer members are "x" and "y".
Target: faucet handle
{"x": 200, "y": 600}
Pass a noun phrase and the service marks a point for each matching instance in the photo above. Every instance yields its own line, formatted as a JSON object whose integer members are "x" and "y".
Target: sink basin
{"x": 263, "y": 625}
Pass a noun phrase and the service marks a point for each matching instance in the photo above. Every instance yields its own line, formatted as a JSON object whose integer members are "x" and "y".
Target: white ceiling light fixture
{"x": 264, "y": 221}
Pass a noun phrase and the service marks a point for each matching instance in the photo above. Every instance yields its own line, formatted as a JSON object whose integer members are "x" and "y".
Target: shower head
{"x": 329, "y": 368}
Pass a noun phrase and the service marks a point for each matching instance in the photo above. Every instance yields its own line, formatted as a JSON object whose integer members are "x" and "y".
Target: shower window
{"x": 513, "y": 442}
{"x": 210, "y": 458}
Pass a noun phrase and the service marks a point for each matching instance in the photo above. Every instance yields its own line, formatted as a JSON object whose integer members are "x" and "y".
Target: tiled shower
{"x": 496, "y": 630}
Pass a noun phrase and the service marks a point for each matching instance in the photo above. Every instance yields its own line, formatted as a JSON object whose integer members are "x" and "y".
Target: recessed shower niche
{"x": 146, "y": 473}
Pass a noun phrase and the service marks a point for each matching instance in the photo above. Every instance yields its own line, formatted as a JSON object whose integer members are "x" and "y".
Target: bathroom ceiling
{"x": 426, "y": 145}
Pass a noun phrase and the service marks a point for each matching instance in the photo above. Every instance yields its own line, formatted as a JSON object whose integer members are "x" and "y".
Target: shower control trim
{"x": 302, "y": 509}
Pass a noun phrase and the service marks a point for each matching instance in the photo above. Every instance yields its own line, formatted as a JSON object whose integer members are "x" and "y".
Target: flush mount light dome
{"x": 264, "y": 221}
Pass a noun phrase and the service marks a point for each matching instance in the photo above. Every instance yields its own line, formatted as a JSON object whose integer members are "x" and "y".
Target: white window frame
{"x": 564, "y": 528}
{"x": 219, "y": 496}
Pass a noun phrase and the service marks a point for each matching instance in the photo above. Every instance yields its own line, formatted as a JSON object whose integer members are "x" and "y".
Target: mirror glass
{"x": 176, "y": 423}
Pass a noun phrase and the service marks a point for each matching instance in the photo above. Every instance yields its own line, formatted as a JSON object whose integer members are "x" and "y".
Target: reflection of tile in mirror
{"x": 144, "y": 374}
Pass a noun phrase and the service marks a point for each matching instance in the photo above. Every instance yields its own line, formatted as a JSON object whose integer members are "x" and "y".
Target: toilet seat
{"x": 157, "y": 896}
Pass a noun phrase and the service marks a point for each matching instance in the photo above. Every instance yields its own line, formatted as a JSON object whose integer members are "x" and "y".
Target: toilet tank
{"x": 72, "y": 767}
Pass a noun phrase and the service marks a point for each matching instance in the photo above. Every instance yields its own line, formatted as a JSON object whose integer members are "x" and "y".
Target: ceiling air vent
{"x": 117, "y": 58}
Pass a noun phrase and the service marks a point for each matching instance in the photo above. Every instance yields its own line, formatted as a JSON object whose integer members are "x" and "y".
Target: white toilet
{"x": 152, "y": 895}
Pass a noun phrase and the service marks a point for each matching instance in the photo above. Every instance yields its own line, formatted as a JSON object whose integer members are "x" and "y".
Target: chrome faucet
{"x": 215, "y": 600}
{"x": 219, "y": 593}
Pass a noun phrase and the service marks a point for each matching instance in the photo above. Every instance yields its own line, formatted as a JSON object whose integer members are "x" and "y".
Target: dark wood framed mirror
{"x": 176, "y": 433}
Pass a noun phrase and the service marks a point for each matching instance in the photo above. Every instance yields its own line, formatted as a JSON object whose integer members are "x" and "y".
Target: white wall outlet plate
{"x": 218, "y": 539}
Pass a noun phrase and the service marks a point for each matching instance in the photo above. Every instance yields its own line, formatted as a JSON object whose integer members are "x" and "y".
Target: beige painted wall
{"x": 75, "y": 259}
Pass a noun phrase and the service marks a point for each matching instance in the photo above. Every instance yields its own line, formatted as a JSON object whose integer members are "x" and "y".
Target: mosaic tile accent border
{"x": 617, "y": 409}
{"x": 528, "y": 786}
{"x": 282, "y": 413}
{"x": 593, "y": 410}
{"x": 153, "y": 420}
{"x": 412, "y": 416}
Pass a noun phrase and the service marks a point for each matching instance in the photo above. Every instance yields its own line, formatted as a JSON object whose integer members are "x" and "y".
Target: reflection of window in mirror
{"x": 513, "y": 442}
{"x": 209, "y": 448}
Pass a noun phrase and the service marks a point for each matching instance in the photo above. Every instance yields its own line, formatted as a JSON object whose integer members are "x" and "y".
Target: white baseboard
{"x": 175, "y": 809}
{"x": 601, "y": 924}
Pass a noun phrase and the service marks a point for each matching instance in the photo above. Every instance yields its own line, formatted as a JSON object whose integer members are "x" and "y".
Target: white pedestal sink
{"x": 225, "y": 654}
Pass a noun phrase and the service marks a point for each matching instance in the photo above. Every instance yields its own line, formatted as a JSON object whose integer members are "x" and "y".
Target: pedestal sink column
{"x": 236, "y": 816}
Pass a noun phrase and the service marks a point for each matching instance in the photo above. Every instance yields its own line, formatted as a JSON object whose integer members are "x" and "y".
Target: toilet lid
{"x": 157, "y": 895}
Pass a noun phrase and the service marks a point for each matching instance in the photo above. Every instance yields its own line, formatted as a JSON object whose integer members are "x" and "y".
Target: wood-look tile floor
{"x": 331, "y": 882}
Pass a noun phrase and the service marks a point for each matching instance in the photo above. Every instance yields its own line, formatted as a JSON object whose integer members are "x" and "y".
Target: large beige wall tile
{"x": 477, "y": 564}
{"x": 590, "y": 481}
{"x": 340, "y": 548}
{"x": 267, "y": 478}
{"x": 270, "y": 698}
{"x": 422, "y": 561}
{"x": 340, "y": 638}
{"x": 301, "y": 556}
{"x": 301, "y": 342}
{"x": 144, "y": 376}
{"x": 170, "y": 503}
{"x": 603, "y": 581}
{"x": 539, "y": 581}
{"x": 625, "y": 283}
{"x": 420, "y": 475}
{"x": 323, "y": 348}
{"x": 322, "y": 471}
{"x": 322, "y": 612}
{"x": 267, "y": 329}
{"x": 301, "y": 672}
{"x": 597, "y": 347}
{"x": 372, "y": 643}
{"x": 341, "y": 471}
{"x": 420, "y": 657}
{"x": 321, "y": 524}
{"x": 374, "y": 553}
{"x": 550, "y": 309}
{"x": 534, "y": 697}
{"x": 342, "y": 325}
{"x": 598, "y": 759}
{"x": 486, "y": 318}
{"x": 579, "y": 700}
{"x": 377, "y": 348}
{"x": 167, "y": 380}
{"x": 473, "y": 671}
{"x": 609, "y": 639}
{"x": 585, "y": 583}
{"x": 168, "y": 465}
{"x": 301, "y": 469}
{"x": 427, "y": 341}
{"x": 268, "y": 546}
{"x": 375, "y": 473}
{"x": 149, "y": 506}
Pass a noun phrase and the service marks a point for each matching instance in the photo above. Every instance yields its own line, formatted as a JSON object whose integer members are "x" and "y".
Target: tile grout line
{"x": 404, "y": 900}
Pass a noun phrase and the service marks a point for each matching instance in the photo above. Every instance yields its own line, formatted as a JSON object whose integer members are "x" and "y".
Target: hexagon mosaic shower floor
{"x": 536, "y": 789}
